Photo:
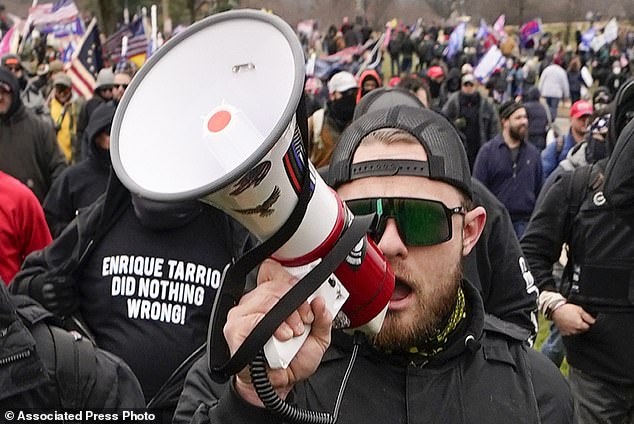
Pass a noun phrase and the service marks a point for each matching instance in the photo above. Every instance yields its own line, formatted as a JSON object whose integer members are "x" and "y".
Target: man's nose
{"x": 391, "y": 243}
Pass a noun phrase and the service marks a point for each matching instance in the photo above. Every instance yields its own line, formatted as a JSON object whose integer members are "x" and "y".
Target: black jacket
{"x": 489, "y": 122}
{"x": 496, "y": 380}
{"x": 619, "y": 174}
{"x": 537, "y": 118}
{"x": 602, "y": 254}
{"x": 71, "y": 255}
{"x": 28, "y": 146}
{"x": 497, "y": 266}
{"x": 81, "y": 184}
{"x": 28, "y": 375}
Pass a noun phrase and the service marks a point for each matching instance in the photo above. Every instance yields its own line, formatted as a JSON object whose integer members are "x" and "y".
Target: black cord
{"x": 273, "y": 402}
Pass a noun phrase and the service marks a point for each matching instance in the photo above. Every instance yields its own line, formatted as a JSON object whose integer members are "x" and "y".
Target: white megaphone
{"x": 211, "y": 116}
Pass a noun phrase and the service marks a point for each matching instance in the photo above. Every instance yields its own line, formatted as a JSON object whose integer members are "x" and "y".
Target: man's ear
{"x": 474, "y": 221}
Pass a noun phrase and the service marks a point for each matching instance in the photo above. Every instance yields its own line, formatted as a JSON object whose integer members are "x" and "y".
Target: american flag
{"x": 87, "y": 62}
{"x": 137, "y": 40}
{"x": 47, "y": 15}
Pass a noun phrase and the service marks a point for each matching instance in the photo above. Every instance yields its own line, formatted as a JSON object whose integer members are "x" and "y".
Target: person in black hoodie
{"x": 140, "y": 277}
{"x": 593, "y": 306}
{"x": 81, "y": 184}
{"x": 30, "y": 151}
{"x": 33, "y": 376}
{"x": 537, "y": 118}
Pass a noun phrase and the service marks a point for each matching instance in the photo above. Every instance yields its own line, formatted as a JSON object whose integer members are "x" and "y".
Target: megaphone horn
{"x": 237, "y": 144}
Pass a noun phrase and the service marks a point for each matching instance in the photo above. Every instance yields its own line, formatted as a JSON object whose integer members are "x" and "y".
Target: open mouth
{"x": 401, "y": 291}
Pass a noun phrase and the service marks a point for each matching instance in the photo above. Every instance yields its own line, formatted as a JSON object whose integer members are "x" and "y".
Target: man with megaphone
{"x": 240, "y": 145}
{"x": 438, "y": 357}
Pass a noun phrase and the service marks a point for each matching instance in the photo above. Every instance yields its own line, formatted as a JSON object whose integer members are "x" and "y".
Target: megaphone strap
{"x": 297, "y": 295}
{"x": 232, "y": 287}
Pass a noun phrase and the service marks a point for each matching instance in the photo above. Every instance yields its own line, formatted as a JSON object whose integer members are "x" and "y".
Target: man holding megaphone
{"x": 426, "y": 352}
{"x": 438, "y": 357}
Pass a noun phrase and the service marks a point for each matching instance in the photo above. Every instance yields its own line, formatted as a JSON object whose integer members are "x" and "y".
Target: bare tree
{"x": 628, "y": 8}
{"x": 521, "y": 7}
{"x": 442, "y": 7}
{"x": 108, "y": 16}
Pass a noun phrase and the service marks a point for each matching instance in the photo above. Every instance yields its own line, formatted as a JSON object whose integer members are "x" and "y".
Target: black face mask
{"x": 434, "y": 88}
{"x": 341, "y": 111}
{"x": 469, "y": 98}
{"x": 164, "y": 215}
{"x": 596, "y": 150}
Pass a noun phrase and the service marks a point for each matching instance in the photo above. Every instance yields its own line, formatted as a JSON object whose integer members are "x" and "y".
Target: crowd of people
{"x": 515, "y": 208}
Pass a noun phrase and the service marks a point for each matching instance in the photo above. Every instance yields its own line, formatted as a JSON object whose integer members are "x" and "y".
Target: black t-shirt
{"x": 147, "y": 295}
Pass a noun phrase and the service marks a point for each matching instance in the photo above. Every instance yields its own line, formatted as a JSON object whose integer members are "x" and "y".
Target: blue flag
{"x": 456, "y": 39}
{"x": 586, "y": 39}
{"x": 483, "y": 31}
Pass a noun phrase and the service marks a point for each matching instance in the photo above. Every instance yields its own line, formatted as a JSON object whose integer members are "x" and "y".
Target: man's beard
{"x": 518, "y": 133}
{"x": 436, "y": 297}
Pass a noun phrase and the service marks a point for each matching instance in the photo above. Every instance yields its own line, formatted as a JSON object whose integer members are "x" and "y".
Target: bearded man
{"x": 438, "y": 357}
{"x": 510, "y": 167}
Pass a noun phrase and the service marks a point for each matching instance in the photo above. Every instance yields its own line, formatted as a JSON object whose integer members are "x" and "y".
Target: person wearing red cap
{"x": 437, "y": 87}
{"x": 555, "y": 152}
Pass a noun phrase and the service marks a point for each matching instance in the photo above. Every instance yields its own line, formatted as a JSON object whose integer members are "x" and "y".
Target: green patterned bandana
{"x": 437, "y": 342}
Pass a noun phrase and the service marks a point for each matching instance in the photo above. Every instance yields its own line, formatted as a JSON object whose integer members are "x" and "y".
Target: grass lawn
{"x": 542, "y": 334}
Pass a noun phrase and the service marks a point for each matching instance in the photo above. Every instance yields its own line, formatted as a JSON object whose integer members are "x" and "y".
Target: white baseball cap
{"x": 341, "y": 81}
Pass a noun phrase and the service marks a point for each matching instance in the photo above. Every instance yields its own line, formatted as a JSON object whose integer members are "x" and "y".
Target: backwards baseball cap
{"x": 446, "y": 156}
{"x": 341, "y": 81}
{"x": 385, "y": 98}
{"x": 581, "y": 108}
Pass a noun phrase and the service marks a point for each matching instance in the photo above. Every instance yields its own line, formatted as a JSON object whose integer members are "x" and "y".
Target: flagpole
{"x": 366, "y": 62}
{"x": 124, "y": 47}
{"x": 154, "y": 15}
{"x": 25, "y": 30}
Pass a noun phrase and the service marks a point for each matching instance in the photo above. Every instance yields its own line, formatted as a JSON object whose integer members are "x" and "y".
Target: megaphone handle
{"x": 279, "y": 354}
{"x": 232, "y": 287}
{"x": 297, "y": 295}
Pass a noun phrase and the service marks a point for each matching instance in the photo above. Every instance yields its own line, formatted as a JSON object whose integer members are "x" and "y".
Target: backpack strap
{"x": 75, "y": 366}
{"x": 577, "y": 191}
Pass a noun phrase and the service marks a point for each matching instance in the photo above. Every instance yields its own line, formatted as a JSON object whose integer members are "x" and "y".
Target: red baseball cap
{"x": 581, "y": 108}
{"x": 435, "y": 71}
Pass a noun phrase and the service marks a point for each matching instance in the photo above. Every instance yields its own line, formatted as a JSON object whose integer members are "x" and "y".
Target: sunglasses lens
{"x": 367, "y": 207}
{"x": 420, "y": 222}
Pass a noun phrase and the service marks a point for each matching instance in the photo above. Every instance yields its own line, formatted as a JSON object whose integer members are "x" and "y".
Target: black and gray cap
{"x": 385, "y": 98}
{"x": 446, "y": 156}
